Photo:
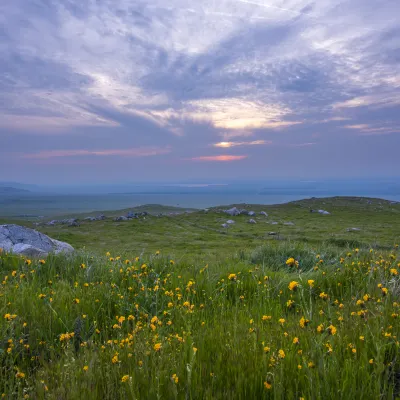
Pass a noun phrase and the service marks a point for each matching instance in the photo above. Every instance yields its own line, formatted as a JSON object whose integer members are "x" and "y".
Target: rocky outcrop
{"x": 28, "y": 242}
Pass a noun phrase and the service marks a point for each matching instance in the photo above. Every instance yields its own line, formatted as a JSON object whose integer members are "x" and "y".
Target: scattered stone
{"x": 232, "y": 211}
{"x": 121, "y": 218}
{"x": 264, "y": 213}
{"x": 74, "y": 224}
{"x": 273, "y": 223}
{"x": 69, "y": 221}
{"x": 25, "y": 241}
{"x": 353, "y": 229}
{"x": 52, "y": 223}
{"x": 225, "y": 225}
{"x": 90, "y": 219}
{"x": 272, "y": 233}
{"x": 230, "y": 221}
{"x": 101, "y": 217}
{"x": 244, "y": 212}
{"x": 252, "y": 221}
{"x": 323, "y": 212}
{"x": 251, "y": 214}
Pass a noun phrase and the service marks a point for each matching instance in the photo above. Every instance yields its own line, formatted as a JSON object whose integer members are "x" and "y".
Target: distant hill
{"x": 12, "y": 190}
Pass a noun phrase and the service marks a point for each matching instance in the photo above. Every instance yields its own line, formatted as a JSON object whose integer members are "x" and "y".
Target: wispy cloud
{"x": 235, "y": 144}
{"x": 230, "y": 73}
{"x": 136, "y": 152}
{"x": 220, "y": 158}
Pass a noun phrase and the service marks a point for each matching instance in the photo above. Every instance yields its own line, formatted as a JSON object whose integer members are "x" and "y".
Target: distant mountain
{"x": 12, "y": 190}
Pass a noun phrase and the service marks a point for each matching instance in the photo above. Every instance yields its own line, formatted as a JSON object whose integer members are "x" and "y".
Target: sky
{"x": 152, "y": 90}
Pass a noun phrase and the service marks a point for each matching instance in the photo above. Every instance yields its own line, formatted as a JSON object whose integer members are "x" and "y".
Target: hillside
{"x": 200, "y": 232}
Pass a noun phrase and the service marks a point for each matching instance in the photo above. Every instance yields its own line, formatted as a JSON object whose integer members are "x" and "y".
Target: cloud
{"x": 222, "y": 158}
{"x": 94, "y": 74}
{"x": 234, "y": 144}
{"x": 136, "y": 152}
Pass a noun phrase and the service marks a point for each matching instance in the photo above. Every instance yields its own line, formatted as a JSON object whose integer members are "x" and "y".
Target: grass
{"x": 181, "y": 309}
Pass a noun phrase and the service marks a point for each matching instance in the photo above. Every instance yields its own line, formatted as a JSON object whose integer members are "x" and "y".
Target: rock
{"x": 272, "y": 233}
{"x": 69, "y": 221}
{"x": 130, "y": 215}
{"x": 28, "y": 242}
{"x": 230, "y": 222}
{"x": 251, "y": 214}
{"x": 232, "y": 211}
{"x": 90, "y": 219}
{"x": 74, "y": 224}
{"x": 288, "y": 223}
{"x": 52, "y": 223}
{"x": 264, "y": 213}
{"x": 244, "y": 212}
{"x": 27, "y": 250}
{"x": 101, "y": 217}
{"x": 252, "y": 221}
{"x": 353, "y": 229}
{"x": 323, "y": 212}
{"x": 121, "y": 218}
{"x": 274, "y": 223}
{"x": 225, "y": 225}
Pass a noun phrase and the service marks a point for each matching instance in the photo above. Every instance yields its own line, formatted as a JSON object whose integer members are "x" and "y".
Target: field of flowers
{"x": 325, "y": 326}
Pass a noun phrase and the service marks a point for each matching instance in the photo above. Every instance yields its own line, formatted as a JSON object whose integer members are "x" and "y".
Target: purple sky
{"x": 114, "y": 90}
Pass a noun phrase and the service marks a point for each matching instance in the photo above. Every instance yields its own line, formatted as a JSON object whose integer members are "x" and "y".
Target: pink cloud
{"x": 233, "y": 144}
{"x": 218, "y": 158}
{"x": 134, "y": 152}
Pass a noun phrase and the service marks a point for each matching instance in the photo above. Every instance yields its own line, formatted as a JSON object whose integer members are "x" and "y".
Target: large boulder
{"x": 232, "y": 211}
{"x": 28, "y": 242}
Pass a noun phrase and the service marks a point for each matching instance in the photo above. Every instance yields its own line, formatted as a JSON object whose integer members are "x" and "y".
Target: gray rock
{"x": 26, "y": 241}
{"x": 288, "y": 223}
{"x": 251, "y": 214}
{"x": 264, "y": 213}
{"x": 69, "y": 221}
{"x": 52, "y": 223}
{"x": 121, "y": 218}
{"x": 232, "y": 211}
{"x": 27, "y": 250}
{"x": 252, "y": 221}
{"x": 130, "y": 214}
{"x": 244, "y": 212}
{"x": 90, "y": 219}
{"x": 274, "y": 223}
{"x": 272, "y": 233}
{"x": 353, "y": 229}
{"x": 225, "y": 225}
{"x": 74, "y": 223}
{"x": 230, "y": 222}
{"x": 323, "y": 212}
{"x": 101, "y": 217}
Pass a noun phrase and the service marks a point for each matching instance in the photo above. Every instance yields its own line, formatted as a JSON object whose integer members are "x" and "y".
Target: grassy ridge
{"x": 200, "y": 233}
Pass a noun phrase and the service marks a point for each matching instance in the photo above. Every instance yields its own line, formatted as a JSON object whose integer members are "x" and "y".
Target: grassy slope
{"x": 201, "y": 232}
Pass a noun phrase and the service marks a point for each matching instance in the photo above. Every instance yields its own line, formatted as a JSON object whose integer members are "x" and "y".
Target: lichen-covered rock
{"x": 232, "y": 211}
{"x": 25, "y": 241}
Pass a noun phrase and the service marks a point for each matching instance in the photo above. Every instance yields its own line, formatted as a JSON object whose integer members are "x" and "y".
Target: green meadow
{"x": 178, "y": 307}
